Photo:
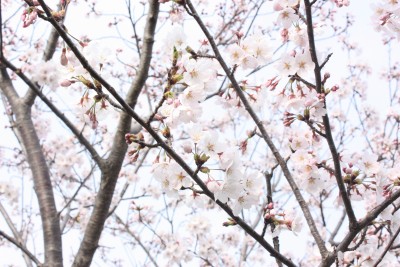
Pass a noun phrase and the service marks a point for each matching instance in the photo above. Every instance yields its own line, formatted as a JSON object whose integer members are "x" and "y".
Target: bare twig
{"x": 387, "y": 247}
{"x": 337, "y": 228}
{"x": 268, "y": 178}
{"x": 21, "y": 247}
{"x": 15, "y": 232}
{"x": 145, "y": 249}
{"x": 326, "y": 60}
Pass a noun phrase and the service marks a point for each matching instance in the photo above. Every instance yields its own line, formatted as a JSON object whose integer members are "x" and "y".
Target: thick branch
{"x": 119, "y": 148}
{"x": 40, "y": 173}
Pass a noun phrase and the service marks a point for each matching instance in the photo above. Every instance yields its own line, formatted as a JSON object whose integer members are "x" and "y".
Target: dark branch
{"x": 21, "y": 247}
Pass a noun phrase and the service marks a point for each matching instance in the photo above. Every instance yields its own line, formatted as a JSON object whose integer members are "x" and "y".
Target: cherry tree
{"x": 198, "y": 133}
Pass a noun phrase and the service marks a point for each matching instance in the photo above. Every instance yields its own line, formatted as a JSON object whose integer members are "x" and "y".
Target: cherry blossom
{"x": 29, "y": 16}
{"x": 287, "y": 17}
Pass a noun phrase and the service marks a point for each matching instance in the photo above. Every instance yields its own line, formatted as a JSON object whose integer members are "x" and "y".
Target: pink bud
{"x": 285, "y": 35}
{"x": 351, "y": 165}
{"x": 29, "y": 16}
{"x": 335, "y": 88}
{"x": 277, "y": 6}
{"x": 83, "y": 44}
{"x": 187, "y": 147}
{"x": 66, "y": 83}
{"x": 64, "y": 59}
{"x": 308, "y": 102}
{"x": 239, "y": 35}
{"x": 158, "y": 117}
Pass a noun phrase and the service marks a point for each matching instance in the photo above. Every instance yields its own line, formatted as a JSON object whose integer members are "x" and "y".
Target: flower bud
{"x": 200, "y": 159}
{"x": 187, "y": 147}
{"x": 85, "y": 81}
{"x": 58, "y": 15}
{"x": 66, "y": 83}
{"x": 97, "y": 84}
{"x": 230, "y": 222}
{"x": 205, "y": 170}
{"x": 166, "y": 132}
{"x": 64, "y": 59}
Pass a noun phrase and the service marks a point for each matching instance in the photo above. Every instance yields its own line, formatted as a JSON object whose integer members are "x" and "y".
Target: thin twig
{"x": 21, "y": 247}
{"x": 146, "y": 250}
{"x": 326, "y": 60}
{"x": 16, "y": 233}
{"x": 387, "y": 247}
{"x": 337, "y": 228}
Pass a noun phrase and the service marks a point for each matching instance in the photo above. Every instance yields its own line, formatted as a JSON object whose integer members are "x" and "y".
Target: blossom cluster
{"x": 250, "y": 52}
{"x": 386, "y": 18}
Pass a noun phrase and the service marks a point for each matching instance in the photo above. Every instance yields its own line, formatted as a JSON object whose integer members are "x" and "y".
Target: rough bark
{"x": 40, "y": 172}
{"x": 114, "y": 162}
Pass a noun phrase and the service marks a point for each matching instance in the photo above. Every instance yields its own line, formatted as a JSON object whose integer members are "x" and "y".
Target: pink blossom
{"x": 341, "y": 3}
{"x": 29, "y": 16}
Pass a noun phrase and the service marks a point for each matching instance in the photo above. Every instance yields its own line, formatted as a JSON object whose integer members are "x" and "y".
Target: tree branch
{"x": 137, "y": 239}
{"x": 96, "y": 157}
{"x": 114, "y": 161}
{"x": 328, "y": 131}
{"x": 266, "y": 137}
{"x": 40, "y": 173}
{"x": 15, "y": 233}
{"x": 22, "y": 247}
{"x": 92, "y": 234}
{"x": 337, "y": 228}
{"x": 387, "y": 247}
{"x": 47, "y": 55}
{"x": 268, "y": 180}
{"x": 343, "y": 246}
